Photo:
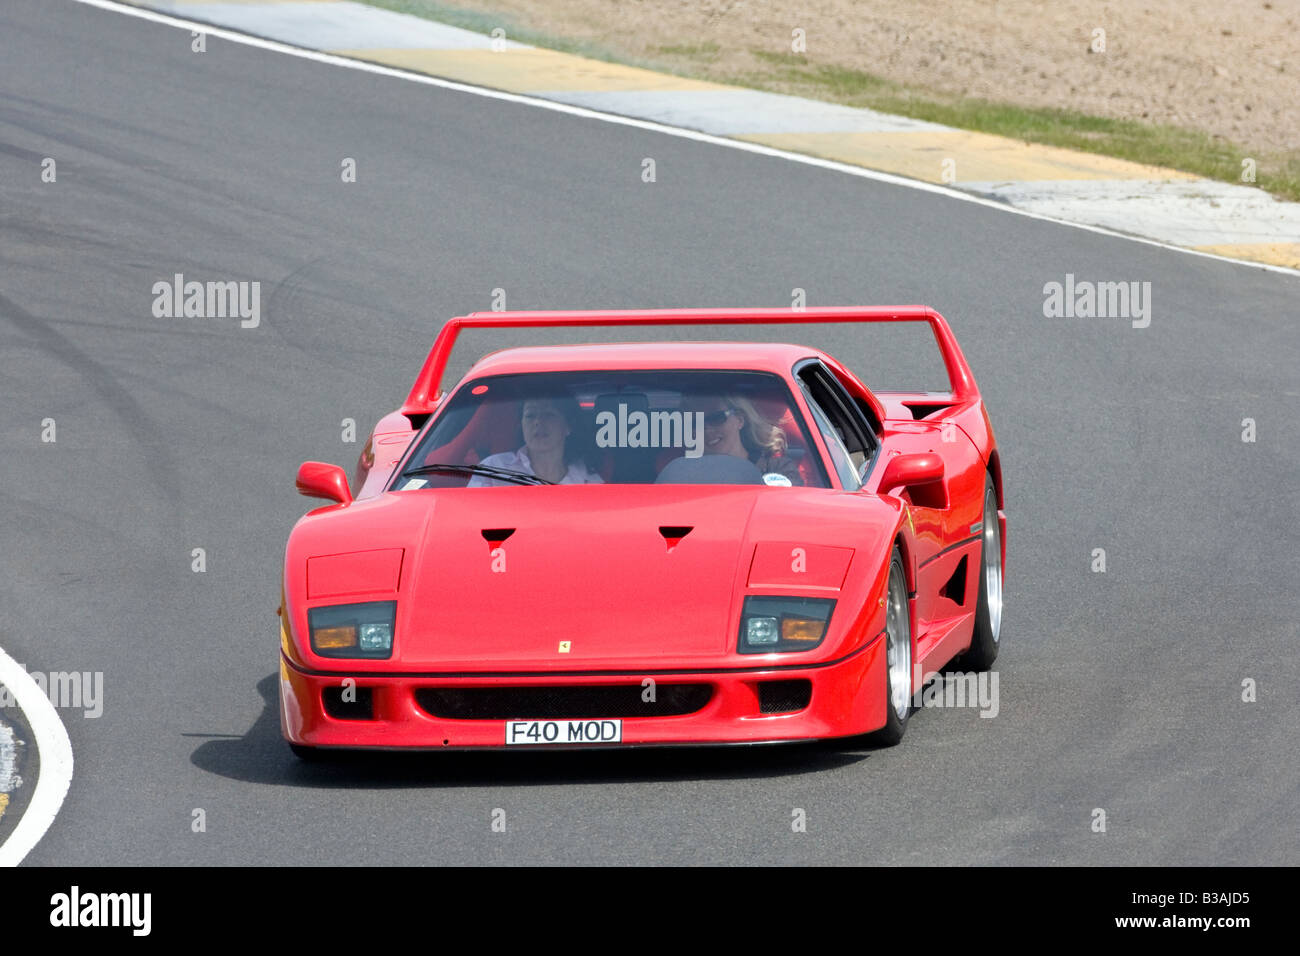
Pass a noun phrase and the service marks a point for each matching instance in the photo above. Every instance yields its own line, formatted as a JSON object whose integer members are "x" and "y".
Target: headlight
{"x": 770, "y": 624}
{"x": 353, "y": 630}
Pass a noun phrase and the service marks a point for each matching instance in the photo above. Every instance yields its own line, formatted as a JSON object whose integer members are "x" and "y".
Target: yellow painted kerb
{"x": 528, "y": 70}
{"x": 976, "y": 157}
{"x": 1270, "y": 253}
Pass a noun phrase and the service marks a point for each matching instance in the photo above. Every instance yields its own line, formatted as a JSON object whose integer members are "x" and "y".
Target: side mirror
{"x": 911, "y": 471}
{"x": 319, "y": 480}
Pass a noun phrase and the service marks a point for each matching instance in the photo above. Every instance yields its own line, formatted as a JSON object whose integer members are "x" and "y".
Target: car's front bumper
{"x": 847, "y": 697}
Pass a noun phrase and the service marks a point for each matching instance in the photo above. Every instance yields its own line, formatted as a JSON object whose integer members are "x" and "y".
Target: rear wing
{"x": 426, "y": 392}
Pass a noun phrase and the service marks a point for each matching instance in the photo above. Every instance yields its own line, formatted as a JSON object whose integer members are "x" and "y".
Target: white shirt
{"x": 578, "y": 473}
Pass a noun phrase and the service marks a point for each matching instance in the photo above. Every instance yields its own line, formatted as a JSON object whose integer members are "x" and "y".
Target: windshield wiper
{"x": 487, "y": 471}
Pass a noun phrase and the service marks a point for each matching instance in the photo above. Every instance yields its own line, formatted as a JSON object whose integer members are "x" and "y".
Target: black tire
{"x": 898, "y": 638}
{"x": 988, "y": 619}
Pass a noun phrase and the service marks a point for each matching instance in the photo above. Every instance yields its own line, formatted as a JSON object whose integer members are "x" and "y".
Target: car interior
{"x": 484, "y": 420}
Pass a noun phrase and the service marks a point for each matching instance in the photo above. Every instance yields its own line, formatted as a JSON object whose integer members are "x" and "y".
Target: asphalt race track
{"x": 1119, "y": 691}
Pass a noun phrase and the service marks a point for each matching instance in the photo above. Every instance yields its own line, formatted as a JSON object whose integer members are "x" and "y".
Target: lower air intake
{"x": 561, "y": 703}
{"x": 783, "y": 696}
{"x": 352, "y": 703}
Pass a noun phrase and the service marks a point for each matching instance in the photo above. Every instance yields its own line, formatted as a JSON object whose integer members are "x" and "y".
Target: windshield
{"x": 617, "y": 427}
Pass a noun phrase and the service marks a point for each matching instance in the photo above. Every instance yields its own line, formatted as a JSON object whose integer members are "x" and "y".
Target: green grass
{"x": 1155, "y": 144}
{"x": 693, "y": 50}
{"x": 1189, "y": 150}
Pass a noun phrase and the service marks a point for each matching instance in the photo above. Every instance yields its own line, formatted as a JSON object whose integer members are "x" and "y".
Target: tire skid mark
{"x": 159, "y": 468}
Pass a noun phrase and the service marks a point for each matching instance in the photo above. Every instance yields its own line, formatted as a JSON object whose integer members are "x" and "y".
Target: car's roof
{"x": 748, "y": 356}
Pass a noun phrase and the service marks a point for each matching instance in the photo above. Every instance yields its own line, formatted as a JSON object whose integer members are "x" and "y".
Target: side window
{"x": 837, "y": 411}
{"x": 839, "y": 454}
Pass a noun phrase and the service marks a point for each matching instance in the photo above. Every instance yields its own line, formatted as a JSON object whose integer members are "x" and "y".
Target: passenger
{"x": 733, "y": 426}
{"x": 547, "y": 424}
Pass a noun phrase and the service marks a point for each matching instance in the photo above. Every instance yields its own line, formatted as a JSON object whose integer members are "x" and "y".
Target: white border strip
{"x": 56, "y": 761}
{"x": 757, "y": 148}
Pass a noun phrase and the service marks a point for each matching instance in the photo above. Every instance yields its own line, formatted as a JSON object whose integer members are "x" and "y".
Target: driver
{"x": 547, "y": 424}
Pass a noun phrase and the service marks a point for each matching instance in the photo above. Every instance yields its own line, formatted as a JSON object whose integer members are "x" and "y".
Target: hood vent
{"x": 673, "y": 534}
{"x": 494, "y": 536}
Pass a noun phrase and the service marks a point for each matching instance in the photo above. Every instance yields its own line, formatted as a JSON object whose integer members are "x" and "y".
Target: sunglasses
{"x": 714, "y": 419}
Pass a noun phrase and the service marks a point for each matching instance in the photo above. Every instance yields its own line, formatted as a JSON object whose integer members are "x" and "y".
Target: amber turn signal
{"x": 334, "y": 638}
{"x": 802, "y": 629}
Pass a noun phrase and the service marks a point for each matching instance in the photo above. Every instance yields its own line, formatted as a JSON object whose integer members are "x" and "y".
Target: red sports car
{"x": 645, "y": 544}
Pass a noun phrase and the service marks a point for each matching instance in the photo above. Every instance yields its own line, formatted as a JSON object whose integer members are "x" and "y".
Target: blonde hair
{"x": 759, "y": 436}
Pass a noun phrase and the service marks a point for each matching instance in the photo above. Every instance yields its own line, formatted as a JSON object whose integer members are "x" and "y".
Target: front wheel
{"x": 898, "y": 656}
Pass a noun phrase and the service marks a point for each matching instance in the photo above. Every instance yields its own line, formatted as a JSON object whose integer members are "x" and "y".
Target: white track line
{"x": 761, "y": 150}
{"x": 56, "y": 761}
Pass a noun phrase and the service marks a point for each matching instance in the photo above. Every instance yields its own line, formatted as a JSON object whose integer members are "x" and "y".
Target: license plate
{"x": 519, "y": 732}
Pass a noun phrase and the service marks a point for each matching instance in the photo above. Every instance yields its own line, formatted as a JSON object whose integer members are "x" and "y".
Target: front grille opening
{"x": 783, "y": 696}
{"x": 561, "y": 703}
{"x": 349, "y": 703}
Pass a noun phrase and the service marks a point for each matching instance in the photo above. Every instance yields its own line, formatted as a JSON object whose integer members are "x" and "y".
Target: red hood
{"x": 586, "y": 564}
